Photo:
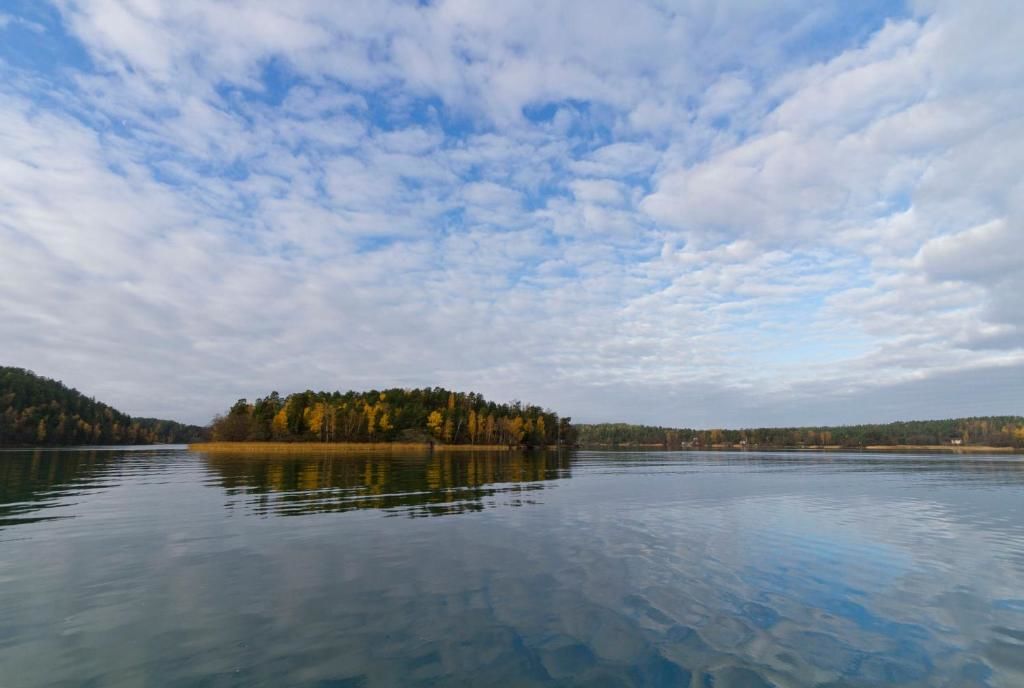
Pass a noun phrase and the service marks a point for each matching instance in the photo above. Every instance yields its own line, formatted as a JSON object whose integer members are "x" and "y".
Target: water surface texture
{"x": 160, "y": 567}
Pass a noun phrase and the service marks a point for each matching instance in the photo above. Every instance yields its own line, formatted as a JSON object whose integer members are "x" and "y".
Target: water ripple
{"x": 718, "y": 569}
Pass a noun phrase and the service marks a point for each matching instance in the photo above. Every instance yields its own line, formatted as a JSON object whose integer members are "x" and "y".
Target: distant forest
{"x": 38, "y": 411}
{"x": 991, "y": 431}
{"x": 391, "y": 415}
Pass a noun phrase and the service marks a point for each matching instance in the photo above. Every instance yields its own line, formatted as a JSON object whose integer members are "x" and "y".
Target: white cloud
{"x": 599, "y": 191}
{"x": 617, "y": 159}
{"x": 699, "y": 221}
{"x": 984, "y": 253}
{"x": 726, "y": 95}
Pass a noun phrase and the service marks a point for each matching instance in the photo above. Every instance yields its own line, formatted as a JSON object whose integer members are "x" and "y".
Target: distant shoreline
{"x": 879, "y": 448}
{"x": 970, "y": 449}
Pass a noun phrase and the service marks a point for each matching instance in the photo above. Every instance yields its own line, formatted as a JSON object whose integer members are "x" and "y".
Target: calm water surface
{"x": 161, "y": 567}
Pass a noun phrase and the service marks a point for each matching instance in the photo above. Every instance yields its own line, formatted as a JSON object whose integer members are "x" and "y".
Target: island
{"x": 431, "y": 417}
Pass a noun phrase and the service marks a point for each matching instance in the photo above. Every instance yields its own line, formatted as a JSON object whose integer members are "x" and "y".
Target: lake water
{"x": 160, "y": 567}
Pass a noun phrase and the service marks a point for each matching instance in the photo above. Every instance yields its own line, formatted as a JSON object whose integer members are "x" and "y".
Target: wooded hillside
{"x": 38, "y": 411}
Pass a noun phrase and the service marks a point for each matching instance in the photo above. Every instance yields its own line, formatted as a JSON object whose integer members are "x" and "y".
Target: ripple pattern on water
{"x": 637, "y": 569}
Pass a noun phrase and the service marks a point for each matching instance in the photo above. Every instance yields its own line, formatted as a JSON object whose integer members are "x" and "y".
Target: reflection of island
{"x": 416, "y": 485}
{"x": 31, "y": 481}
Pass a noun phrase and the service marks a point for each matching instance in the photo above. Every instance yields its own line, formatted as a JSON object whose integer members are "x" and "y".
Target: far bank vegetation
{"x": 1002, "y": 432}
{"x": 36, "y": 411}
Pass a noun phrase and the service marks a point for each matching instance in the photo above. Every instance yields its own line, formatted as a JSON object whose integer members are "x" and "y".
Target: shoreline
{"x": 341, "y": 447}
{"x": 871, "y": 448}
{"x": 354, "y": 447}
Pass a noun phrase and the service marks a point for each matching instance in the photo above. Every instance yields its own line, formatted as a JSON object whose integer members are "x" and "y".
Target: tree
{"x": 449, "y": 429}
{"x": 371, "y": 418}
{"x": 515, "y": 430}
{"x": 435, "y": 423}
{"x": 279, "y": 426}
{"x": 318, "y": 420}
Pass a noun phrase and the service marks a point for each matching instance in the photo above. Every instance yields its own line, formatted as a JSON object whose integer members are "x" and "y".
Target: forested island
{"x": 40, "y": 412}
{"x": 428, "y": 415}
{"x": 981, "y": 431}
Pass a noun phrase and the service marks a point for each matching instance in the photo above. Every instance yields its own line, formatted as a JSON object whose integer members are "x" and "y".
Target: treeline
{"x": 626, "y": 434}
{"x": 392, "y": 415}
{"x": 38, "y": 411}
{"x": 991, "y": 431}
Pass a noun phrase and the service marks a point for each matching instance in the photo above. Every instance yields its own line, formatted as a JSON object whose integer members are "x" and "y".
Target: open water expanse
{"x": 161, "y": 567}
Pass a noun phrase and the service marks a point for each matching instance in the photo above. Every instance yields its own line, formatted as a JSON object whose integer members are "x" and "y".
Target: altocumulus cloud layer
{"x": 699, "y": 213}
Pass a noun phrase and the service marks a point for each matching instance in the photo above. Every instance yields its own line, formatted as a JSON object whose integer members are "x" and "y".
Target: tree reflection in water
{"x": 412, "y": 485}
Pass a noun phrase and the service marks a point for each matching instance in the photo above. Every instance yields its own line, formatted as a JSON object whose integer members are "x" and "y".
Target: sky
{"x": 696, "y": 213}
